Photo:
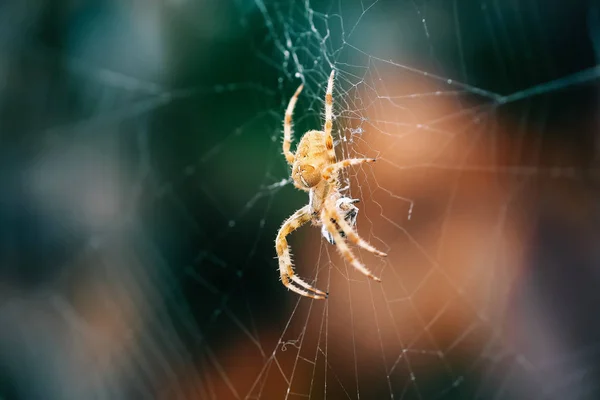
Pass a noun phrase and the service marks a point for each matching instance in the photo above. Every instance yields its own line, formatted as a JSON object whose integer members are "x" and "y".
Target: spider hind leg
{"x": 345, "y": 251}
{"x": 333, "y": 222}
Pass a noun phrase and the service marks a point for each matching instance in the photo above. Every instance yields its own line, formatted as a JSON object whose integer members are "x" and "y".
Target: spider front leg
{"x": 287, "y": 126}
{"x": 329, "y": 117}
{"x": 286, "y": 271}
{"x": 343, "y": 248}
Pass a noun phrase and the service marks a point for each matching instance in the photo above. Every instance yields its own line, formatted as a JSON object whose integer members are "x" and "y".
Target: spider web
{"x": 481, "y": 115}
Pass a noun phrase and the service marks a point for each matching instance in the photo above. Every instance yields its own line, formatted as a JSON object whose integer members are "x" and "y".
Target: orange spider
{"x": 315, "y": 170}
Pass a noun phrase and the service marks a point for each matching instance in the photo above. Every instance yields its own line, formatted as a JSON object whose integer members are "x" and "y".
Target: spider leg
{"x": 332, "y": 213}
{"x": 330, "y": 173}
{"x": 287, "y": 126}
{"x": 286, "y": 271}
{"x": 329, "y": 117}
{"x": 304, "y": 293}
{"x": 343, "y": 247}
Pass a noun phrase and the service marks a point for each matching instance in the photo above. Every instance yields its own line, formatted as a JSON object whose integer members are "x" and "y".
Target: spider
{"x": 315, "y": 170}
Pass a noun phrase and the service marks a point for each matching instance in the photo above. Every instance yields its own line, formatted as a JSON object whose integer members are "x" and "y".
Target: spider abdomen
{"x": 311, "y": 158}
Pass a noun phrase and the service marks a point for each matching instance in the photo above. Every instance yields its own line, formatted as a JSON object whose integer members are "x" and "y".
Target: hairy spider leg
{"x": 350, "y": 233}
{"x": 287, "y": 126}
{"x": 341, "y": 245}
{"x": 286, "y": 270}
{"x": 328, "y": 118}
{"x": 330, "y": 173}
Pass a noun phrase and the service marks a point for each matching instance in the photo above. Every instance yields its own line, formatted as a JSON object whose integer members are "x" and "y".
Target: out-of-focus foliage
{"x": 141, "y": 187}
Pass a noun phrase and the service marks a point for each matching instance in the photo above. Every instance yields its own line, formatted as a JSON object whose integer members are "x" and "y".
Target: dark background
{"x": 138, "y": 196}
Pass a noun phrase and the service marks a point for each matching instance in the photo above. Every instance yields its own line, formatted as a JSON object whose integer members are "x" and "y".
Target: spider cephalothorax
{"x": 315, "y": 170}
